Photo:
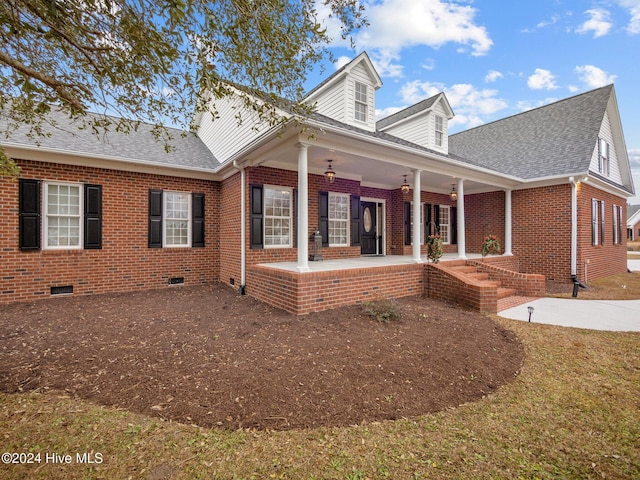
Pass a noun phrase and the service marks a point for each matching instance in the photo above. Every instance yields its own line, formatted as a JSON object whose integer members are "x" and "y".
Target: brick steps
{"x": 471, "y": 272}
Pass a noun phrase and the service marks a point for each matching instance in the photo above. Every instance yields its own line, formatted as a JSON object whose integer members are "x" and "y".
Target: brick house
{"x": 239, "y": 204}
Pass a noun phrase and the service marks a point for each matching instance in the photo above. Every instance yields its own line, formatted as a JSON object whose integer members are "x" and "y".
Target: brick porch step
{"x": 478, "y": 276}
{"x": 466, "y": 269}
{"x": 506, "y": 292}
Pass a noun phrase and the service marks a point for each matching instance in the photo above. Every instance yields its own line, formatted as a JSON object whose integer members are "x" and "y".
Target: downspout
{"x": 243, "y": 241}
{"x": 574, "y": 227}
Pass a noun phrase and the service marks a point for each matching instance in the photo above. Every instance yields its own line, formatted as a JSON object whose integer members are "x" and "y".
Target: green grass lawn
{"x": 573, "y": 412}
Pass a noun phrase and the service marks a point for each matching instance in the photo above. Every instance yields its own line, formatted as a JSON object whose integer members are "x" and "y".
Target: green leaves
{"x": 152, "y": 60}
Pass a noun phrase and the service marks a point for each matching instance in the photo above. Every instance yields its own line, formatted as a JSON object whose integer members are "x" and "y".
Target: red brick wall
{"x": 604, "y": 260}
{"x": 230, "y": 220}
{"x": 124, "y": 263}
{"x": 316, "y": 291}
{"x": 444, "y": 284}
{"x": 484, "y": 214}
{"x": 541, "y": 226}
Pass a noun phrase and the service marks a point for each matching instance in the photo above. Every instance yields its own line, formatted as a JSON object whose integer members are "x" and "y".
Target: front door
{"x": 369, "y": 235}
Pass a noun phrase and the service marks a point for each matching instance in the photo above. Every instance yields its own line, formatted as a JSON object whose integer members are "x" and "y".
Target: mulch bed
{"x": 208, "y": 356}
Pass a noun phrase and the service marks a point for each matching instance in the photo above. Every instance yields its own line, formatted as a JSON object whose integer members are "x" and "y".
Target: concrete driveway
{"x": 612, "y": 315}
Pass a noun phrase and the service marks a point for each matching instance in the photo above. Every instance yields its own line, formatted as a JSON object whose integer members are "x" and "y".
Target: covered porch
{"x": 475, "y": 282}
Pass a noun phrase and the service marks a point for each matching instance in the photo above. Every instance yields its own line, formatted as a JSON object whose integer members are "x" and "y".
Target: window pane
{"x": 277, "y": 218}
{"x": 338, "y": 219}
{"x": 63, "y": 211}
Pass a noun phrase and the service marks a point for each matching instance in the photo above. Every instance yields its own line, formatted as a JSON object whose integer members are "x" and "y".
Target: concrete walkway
{"x": 612, "y": 315}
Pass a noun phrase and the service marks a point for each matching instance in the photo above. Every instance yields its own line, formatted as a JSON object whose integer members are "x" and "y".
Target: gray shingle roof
{"x": 556, "y": 139}
{"x": 187, "y": 149}
{"x": 631, "y": 210}
{"x": 407, "y": 112}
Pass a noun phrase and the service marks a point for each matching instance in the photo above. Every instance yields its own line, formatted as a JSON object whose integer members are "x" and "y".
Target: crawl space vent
{"x": 62, "y": 290}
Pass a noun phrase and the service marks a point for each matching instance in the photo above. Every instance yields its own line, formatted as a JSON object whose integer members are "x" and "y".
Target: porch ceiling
{"x": 382, "y": 166}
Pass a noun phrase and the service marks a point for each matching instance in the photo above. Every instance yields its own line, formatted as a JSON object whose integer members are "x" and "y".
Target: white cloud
{"x": 594, "y": 77}
{"x": 634, "y": 160}
{"x": 398, "y": 24}
{"x": 342, "y": 61}
{"x": 634, "y": 11}
{"x": 385, "y": 63}
{"x": 542, "y": 80}
{"x": 385, "y": 112}
{"x": 599, "y": 22}
{"x": 525, "y": 105}
{"x": 492, "y": 76}
{"x": 472, "y": 106}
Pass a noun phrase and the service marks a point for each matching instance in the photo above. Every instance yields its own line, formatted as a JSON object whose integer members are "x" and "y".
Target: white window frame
{"x": 361, "y": 104}
{"x": 165, "y": 219}
{"x": 604, "y": 160}
{"x": 446, "y": 235}
{"x": 346, "y": 223}
{"x": 47, "y": 216}
{"x": 266, "y": 217}
{"x": 439, "y": 130}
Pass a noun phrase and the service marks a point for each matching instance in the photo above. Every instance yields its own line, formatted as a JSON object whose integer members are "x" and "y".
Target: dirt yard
{"x": 208, "y": 356}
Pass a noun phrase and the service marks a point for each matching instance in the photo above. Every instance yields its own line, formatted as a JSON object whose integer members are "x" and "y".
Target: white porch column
{"x": 415, "y": 232}
{"x": 507, "y": 222}
{"x": 303, "y": 209}
{"x": 462, "y": 246}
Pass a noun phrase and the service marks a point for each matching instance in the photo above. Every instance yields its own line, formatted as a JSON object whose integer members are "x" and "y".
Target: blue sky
{"x": 495, "y": 59}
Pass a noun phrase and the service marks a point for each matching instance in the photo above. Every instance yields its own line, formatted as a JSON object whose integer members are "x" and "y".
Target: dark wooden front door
{"x": 369, "y": 230}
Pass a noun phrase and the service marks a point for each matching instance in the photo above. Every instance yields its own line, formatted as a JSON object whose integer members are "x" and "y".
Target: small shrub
{"x": 384, "y": 310}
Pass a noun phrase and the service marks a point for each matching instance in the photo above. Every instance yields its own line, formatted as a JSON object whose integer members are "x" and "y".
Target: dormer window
{"x": 603, "y": 157}
{"x": 361, "y": 106}
{"x": 439, "y": 130}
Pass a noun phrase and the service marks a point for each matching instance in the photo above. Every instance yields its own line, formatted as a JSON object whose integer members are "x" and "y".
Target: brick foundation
{"x": 302, "y": 293}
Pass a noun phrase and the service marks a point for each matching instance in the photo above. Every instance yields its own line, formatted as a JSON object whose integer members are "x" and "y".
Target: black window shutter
{"x": 256, "y": 217}
{"x": 155, "y": 218}
{"x": 454, "y": 225}
{"x": 29, "y": 214}
{"x": 355, "y": 220}
{"x": 602, "y": 222}
{"x": 407, "y": 223}
{"x": 323, "y": 217}
{"x": 436, "y": 217}
{"x": 428, "y": 227}
{"x": 197, "y": 217}
{"x": 93, "y": 216}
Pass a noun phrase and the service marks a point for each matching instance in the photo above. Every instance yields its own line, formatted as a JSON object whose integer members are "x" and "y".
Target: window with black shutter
{"x": 29, "y": 214}
{"x": 323, "y": 217}
{"x": 197, "y": 219}
{"x": 257, "y": 219}
{"x": 407, "y": 223}
{"x": 92, "y": 216}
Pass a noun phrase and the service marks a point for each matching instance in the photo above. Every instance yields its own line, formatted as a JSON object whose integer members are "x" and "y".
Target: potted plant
{"x": 491, "y": 245}
{"x": 434, "y": 248}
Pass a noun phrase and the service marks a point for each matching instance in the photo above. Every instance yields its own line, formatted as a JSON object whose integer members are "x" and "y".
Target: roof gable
{"x": 339, "y": 74}
{"x": 553, "y": 140}
{"x": 415, "y": 110}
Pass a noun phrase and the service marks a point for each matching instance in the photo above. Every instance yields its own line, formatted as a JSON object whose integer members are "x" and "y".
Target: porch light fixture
{"x": 329, "y": 174}
{"x": 405, "y": 187}
{"x": 453, "y": 195}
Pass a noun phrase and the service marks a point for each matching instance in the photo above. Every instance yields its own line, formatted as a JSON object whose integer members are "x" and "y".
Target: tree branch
{"x": 61, "y": 88}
